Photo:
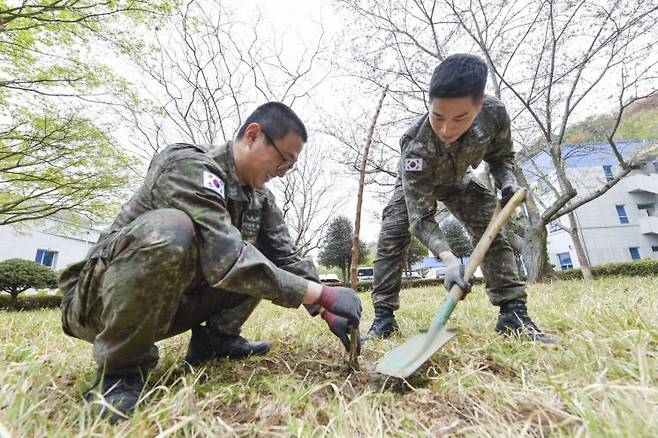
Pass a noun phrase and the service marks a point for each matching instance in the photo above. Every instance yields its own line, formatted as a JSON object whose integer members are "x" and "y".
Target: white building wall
{"x": 605, "y": 238}
{"x": 559, "y": 242}
{"x": 68, "y": 241}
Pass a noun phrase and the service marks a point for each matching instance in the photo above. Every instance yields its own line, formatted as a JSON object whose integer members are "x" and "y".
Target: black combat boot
{"x": 383, "y": 326}
{"x": 207, "y": 344}
{"x": 120, "y": 391}
{"x": 514, "y": 320}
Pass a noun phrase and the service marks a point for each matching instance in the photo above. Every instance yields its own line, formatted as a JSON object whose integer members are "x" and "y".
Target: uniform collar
{"x": 426, "y": 135}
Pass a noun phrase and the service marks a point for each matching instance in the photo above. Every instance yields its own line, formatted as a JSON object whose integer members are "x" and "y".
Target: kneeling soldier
{"x": 197, "y": 247}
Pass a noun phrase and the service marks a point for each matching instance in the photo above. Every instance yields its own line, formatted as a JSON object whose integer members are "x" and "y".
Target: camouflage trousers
{"x": 472, "y": 203}
{"x": 142, "y": 284}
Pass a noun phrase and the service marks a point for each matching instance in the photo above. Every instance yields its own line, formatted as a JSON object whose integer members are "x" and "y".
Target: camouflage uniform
{"x": 430, "y": 171}
{"x": 191, "y": 245}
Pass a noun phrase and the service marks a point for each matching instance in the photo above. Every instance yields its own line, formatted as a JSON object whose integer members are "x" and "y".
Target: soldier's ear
{"x": 251, "y": 133}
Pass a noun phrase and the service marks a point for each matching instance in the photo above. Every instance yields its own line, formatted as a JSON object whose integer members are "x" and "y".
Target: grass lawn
{"x": 600, "y": 381}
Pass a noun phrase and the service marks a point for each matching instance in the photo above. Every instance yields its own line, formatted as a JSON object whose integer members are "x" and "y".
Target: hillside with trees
{"x": 640, "y": 121}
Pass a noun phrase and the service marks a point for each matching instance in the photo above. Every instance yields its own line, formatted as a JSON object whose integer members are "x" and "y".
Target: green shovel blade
{"x": 405, "y": 359}
{"x": 408, "y": 357}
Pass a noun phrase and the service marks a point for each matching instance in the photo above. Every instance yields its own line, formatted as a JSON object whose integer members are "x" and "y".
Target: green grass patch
{"x": 600, "y": 381}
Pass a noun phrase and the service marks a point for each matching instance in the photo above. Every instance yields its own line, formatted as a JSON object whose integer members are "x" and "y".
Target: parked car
{"x": 413, "y": 275}
{"x": 364, "y": 273}
{"x": 330, "y": 279}
{"x": 438, "y": 272}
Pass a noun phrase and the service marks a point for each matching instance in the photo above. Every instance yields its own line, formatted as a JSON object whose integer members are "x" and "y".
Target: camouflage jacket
{"x": 431, "y": 170}
{"x": 244, "y": 244}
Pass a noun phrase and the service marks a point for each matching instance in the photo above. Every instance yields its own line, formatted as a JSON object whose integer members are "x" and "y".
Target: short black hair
{"x": 459, "y": 75}
{"x": 276, "y": 119}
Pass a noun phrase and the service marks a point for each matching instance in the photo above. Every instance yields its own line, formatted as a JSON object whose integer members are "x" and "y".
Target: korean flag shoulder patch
{"x": 413, "y": 164}
{"x": 212, "y": 182}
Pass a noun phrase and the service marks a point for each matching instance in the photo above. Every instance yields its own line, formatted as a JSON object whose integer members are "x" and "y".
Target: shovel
{"x": 402, "y": 361}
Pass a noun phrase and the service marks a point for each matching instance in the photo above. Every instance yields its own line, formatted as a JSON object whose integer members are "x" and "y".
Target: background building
{"x": 619, "y": 226}
{"x": 52, "y": 242}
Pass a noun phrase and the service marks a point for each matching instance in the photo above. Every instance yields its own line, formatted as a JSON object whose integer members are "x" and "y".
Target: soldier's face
{"x": 269, "y": 158}
{"x": 451, "y": 117}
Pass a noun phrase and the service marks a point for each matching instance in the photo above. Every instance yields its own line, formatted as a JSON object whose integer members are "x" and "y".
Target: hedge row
{"x": 30, "y": 302}
{"x": 366, "y": 286}
{"x": 640, "y": 268}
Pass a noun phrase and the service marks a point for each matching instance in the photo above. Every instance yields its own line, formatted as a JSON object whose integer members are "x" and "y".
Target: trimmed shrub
{"x": 19, "y": 275}
{"x": 31, "y": 302}
{"x": 641, "y": 268}
{"x": 366, "y": 286}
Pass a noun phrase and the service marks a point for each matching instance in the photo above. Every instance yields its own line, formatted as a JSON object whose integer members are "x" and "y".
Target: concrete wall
{"x": 68, "y": 241}
{"x": 560, "y": 242}
{"x": 605, "y": 238}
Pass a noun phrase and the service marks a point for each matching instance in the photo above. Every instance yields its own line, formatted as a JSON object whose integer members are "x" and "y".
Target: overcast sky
{"x": 296, "y": 25}
{"x": 297, "y": 21}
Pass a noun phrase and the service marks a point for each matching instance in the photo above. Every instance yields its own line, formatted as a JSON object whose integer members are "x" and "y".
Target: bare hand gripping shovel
{"x": 408, "y": 357}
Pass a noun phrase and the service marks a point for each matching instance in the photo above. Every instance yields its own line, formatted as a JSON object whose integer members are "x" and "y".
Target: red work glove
{"x": 341, "y": 301}
{"x": 341, "y": 328}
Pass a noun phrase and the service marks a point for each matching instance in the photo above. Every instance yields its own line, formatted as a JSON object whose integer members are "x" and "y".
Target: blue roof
{"x": 589, "y": 154}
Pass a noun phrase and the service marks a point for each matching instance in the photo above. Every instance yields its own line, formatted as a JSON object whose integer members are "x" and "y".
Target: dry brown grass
{"x": 601, "y": 381}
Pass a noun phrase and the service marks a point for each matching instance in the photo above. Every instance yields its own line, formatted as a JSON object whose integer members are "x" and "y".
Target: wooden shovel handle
{"x": 498, "y": 220}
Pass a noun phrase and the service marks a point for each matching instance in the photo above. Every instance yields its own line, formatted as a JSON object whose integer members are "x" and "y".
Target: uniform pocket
{"x": 90, "y": 277}
{"x": 88, "y": 288}
{"x": 250, "y": 226}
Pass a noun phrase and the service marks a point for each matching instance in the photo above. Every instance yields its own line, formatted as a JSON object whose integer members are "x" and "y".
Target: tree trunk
{"x": 535, "y": 254}
{"x": 13, "y": 303}
{"x": 344, "y": 270}
{"x": 534, "y": 248}
{"x": 356, "y": 248}
{"x": 580, "y": 250}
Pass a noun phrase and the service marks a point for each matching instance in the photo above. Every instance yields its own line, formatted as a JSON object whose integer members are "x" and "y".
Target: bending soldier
{"x": 464, "y": 127}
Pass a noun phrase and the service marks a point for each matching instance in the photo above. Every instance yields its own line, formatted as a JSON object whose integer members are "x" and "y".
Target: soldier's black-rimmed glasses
{"x": 287, "y": 164}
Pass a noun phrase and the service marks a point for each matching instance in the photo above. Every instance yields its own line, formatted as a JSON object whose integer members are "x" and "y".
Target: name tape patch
{"x": 413, "y": 164}
{"x": 212, "y": 182}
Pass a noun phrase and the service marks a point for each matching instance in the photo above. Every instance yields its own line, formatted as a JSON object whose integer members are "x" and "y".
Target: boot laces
{"x": 525, "y": 320}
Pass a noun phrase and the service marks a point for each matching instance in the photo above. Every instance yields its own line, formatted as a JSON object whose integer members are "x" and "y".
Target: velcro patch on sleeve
{"x": 413, "y": 164}
{"x": 212, "y": 182}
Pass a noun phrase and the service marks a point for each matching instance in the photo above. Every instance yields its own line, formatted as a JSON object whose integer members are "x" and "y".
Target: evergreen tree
{"x": 415, "y": 252}
{"x": 337, "y": 246}
{"x": 458, "y": 239}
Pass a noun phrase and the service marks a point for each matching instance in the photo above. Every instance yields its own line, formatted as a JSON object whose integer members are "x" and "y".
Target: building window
{"x": 46, "y": 258}
{"x": 654, "y": 248}
{"x": 621, "y": 212}
{"x": 565, "y": 261}
{"x": 635, "y": 253}
{"x": 607, "y": 171}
